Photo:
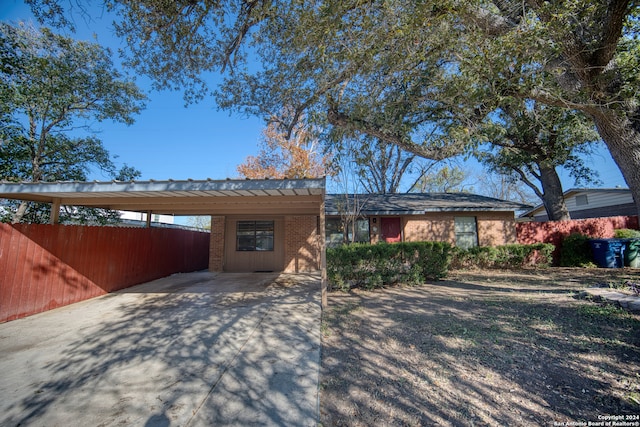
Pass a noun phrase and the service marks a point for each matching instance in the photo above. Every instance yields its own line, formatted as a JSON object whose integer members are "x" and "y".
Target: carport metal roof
{"x": 204, "y": 197}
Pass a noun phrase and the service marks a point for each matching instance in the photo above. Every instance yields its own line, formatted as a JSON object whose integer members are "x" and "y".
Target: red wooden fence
{"x": 48, "y": 266}
{"x": 555, "y": 231}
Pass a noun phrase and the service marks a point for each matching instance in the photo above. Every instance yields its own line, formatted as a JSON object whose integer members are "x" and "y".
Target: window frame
{"x": 462, "y": 235}
{"x": 252, "y": 234}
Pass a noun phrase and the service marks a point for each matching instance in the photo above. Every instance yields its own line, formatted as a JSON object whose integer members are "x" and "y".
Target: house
{"x": 279, "y": 225}
{"x": 591, "y": 203}
{"x": 140, "y": 218}
{"x": 465, "y": 220}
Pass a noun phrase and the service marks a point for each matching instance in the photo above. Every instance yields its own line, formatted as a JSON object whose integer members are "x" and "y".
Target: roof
{"x": 191, "y": 197}
{"x": 417, "y": 203}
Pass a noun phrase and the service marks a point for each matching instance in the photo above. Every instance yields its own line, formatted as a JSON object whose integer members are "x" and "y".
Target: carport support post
{"x": 148, "y": 219}
{"x": 323, "y": 259}
{"x": 54, "y": 218}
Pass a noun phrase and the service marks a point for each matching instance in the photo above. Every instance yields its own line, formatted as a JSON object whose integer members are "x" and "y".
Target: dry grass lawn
{"x": 481, "y": 348}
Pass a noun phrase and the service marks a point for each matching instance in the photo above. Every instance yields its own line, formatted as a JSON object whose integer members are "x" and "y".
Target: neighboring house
{"x": 140, "y": 218}
{"x": 465, "y": 220}
{"x": 591, "y": 203}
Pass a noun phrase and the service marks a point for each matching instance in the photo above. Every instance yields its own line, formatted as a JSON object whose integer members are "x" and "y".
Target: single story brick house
{"x": 463, "y": 219}
{"x": 282, "y": 225}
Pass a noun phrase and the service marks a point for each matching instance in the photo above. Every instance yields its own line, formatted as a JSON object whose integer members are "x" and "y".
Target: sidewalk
{"x": 626, "y": 301}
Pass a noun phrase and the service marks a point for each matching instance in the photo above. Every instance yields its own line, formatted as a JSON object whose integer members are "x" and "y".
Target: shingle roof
{"x": 416, "y": 203}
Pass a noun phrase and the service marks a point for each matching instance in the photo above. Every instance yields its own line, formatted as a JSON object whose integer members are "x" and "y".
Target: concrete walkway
{"x": 626, "y": 301}
{"x": 197, "y": 349}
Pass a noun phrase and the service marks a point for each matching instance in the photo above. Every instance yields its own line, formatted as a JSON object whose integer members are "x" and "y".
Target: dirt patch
{"x": 481, "y": 348}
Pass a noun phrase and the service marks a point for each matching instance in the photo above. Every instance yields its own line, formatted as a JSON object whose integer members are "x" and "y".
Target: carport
{"x": 257, "y": 225}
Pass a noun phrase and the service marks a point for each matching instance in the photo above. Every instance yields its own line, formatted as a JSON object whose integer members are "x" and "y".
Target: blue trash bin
{"x": 608, "y": 253}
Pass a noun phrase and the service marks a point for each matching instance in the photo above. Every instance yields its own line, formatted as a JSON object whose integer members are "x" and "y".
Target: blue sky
{"x": 170, "y": 141}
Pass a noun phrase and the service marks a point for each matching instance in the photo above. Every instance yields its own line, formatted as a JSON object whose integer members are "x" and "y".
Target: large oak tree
{"x": 401, "y": 70}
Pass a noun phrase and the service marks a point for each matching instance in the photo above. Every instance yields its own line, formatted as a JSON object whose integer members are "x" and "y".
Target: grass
{"x": 480, "y": 349}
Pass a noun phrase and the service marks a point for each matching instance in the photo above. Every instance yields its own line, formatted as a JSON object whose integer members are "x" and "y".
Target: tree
{"x": 444, "y": 180}
{"x": 393, "y": 69}
{"x": 286, "y": 156}
{"x": 380, "y": 167}
{"x": 590, "y": 64}
{"x": 506, "y": 187}
{"x": 531, "y": 141}
{"x": 51, "y": 87}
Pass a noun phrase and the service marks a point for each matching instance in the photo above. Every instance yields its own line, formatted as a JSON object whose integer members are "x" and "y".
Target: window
{"x": 466, "y": 232}
{"x": 581, "y": 200}
{"x": 254, "y": 235}
{"x": 335, "y": 232}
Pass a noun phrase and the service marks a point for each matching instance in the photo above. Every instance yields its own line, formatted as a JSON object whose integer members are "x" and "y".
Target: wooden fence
{"x": 555, "y": 231}
{"x": 47, "y": 266}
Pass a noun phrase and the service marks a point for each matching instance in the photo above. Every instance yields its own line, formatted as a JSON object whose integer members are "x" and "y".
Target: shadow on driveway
{"x": 191, "y": 349}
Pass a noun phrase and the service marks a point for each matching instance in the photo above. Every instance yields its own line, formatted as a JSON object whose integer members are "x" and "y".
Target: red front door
{"x": 391, "y": 229}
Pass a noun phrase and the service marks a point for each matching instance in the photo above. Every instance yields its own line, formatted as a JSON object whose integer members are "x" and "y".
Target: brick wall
{"x": 494, "y": 228}
{"x": 434, "y": 227}
{"x": 302, "y": 249}
{"x": 216, "y": 248}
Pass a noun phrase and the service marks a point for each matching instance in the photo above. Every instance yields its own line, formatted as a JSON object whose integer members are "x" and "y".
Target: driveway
{"x": 196, "y": 349}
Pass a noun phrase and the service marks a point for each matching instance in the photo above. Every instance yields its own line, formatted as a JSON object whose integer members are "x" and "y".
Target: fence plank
{"x": 47, "y": 266}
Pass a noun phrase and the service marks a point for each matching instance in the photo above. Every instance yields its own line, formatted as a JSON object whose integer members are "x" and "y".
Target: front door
{"x": 391, "y": 229}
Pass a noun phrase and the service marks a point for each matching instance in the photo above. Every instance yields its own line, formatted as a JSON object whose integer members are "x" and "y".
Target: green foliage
{"x": 505, "y": 256}
{"x": 575, "y": 251}
{"x": 435, "y": 77}
{"x": 626, "y": 233}
{"x": 51, "y": 89}
{"x": 371, "y": 266}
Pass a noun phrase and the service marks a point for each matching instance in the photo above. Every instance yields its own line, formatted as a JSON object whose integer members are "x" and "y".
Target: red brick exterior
{"x": 302, "y": 244}
{"x": 494, "y": 228}
{"x": 216, "y": 245}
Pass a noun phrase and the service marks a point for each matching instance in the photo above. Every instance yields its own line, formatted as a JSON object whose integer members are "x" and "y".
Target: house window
{"x": 254, "y": 235}
{"x": 581, "y": 200}
{"x": 361, "y": 232}
{"x": 466, "y": 232}
{"x": 335, "y": 231}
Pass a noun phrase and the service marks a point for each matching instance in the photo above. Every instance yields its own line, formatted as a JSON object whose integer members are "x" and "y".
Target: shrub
{"x": 626, "y": 233}
{"x": 372, "y": 266}
{"x": 576, "y": 251}
{"x": 505, "y": 256}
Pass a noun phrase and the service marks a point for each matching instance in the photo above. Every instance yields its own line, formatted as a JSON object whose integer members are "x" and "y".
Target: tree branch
{"x": 611, "y": 33}
{"x": 344, "y": 121}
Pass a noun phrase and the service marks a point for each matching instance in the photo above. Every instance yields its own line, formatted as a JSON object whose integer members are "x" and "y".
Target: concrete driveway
{"x": 196, "y": 349}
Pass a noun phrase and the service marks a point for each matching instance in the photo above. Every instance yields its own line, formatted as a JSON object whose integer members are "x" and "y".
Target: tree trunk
{"x": 17, "y": 216}
{"x": 553, "y": 197}
{"x": 623, "y": 141}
